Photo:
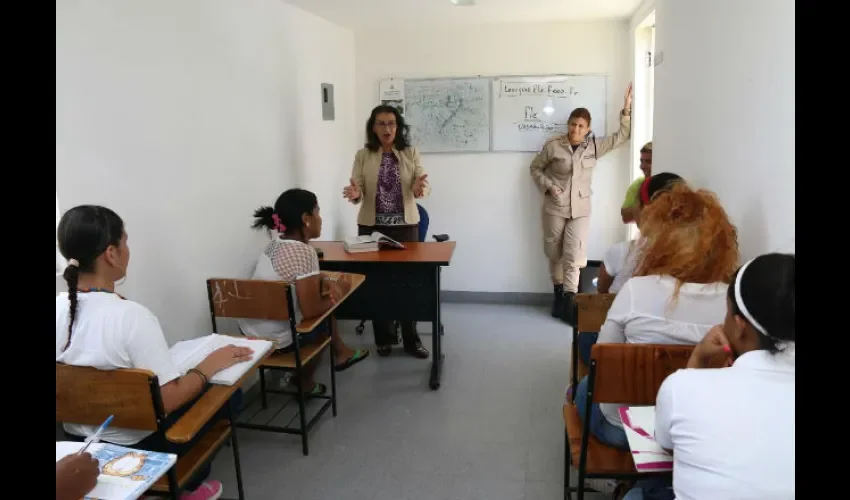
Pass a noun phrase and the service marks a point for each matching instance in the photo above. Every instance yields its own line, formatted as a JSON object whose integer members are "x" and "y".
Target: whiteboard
{"x": 521, "y": 121}
{"x": 448, "y": 115}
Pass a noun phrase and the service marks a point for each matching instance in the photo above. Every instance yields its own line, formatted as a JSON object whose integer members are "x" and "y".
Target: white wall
{"x": 186, "y": 116}
{"x": 487, "y": 202}
{"x": 724, "y": 109}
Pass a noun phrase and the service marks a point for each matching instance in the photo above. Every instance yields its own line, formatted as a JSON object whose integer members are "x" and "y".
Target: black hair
{"x": 401, "y": 141}
{"x": 660, "y": 183}
{"x": 83, "y": 234}
{"x": 290, "y": 208}
{"x": 767, "y": 290}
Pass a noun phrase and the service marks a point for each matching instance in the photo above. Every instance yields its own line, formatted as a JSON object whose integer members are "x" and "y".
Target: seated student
{"x": 76, "y": 475}
{"x": 97, "y": 327}
{"x": 287, "y": 257}
{"x": 688, "y": 250}
{"x": 740, "y": 444}
{"x": 620, "y": 259}
{"x": 630, "y": 204}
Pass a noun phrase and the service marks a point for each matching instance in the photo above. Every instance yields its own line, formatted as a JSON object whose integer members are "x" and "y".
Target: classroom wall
{"x": 487, "y": 202}
{"x": 186, "y": 116}
{"x": 724, "y": 115}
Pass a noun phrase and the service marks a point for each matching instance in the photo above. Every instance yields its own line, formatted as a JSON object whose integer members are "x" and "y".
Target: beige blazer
{"x": 571, "y": 169}
{"x": 365, "y": 174}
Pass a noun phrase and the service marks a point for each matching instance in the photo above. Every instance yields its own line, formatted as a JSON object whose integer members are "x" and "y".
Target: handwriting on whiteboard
{"x": 551, "y": 89}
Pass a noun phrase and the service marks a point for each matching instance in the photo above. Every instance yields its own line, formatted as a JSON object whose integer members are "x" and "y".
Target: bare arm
{"x": 627, "y": 214}
{"x": 310, "y": 298}
{"x": 603, "y": 283}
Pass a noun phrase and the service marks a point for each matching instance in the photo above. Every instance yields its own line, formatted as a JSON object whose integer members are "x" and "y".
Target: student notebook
{"x": 188, "y": 354}
{"x": 125, "y": 473}
{"x": 639, "y": 424}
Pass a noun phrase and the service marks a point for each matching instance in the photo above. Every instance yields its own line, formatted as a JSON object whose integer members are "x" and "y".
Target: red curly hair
{"x": 686, "y": 234}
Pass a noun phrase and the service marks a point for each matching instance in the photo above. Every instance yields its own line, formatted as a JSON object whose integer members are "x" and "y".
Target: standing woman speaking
{"x": 563, "y": 170}
{"x": 386, "y": 180}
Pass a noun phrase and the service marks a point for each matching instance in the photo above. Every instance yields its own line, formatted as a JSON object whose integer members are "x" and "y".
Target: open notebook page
{"x": 639, "y": 424}
{"x": 126, "y": 473}
{"x": 188, "y": 354}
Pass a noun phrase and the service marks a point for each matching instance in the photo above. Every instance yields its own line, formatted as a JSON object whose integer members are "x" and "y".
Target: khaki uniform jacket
{"x": 365, "y": 174}
{"x": 571, "y": 169}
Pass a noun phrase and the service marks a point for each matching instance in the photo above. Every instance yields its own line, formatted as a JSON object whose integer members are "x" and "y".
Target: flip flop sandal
{"x": 358, "y": 356}
{"x": 319, "y": 389}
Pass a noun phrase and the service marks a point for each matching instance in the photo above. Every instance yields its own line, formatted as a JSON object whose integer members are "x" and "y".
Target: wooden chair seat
{"x": 188, "y": 464}
{"x": 601, "y": 458}
{"x": 287, "y": 359}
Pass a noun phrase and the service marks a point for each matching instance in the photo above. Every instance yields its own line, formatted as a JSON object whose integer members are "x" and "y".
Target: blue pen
{"x": 96, "y": 436}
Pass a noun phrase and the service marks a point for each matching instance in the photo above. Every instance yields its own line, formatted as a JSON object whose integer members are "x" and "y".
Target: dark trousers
{"x": 384, "y": 331}
{"x": 156, "y": 442}
{"x": 586, "y": 340}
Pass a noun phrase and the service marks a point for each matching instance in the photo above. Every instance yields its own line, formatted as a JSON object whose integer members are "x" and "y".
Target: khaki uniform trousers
{"x": 565, "y": 245}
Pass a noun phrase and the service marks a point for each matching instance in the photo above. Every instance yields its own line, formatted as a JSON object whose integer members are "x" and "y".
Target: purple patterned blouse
{"x": 389, "y": 203}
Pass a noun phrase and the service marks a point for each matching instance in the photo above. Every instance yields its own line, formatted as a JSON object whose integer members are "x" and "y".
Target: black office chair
{"x": 424, "y": 222}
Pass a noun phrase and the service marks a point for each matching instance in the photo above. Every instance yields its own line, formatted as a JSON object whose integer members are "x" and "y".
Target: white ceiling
{"x": 401, "y": 14}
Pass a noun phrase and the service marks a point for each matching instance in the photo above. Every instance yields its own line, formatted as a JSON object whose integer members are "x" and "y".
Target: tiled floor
{"x": 494, "y": 431}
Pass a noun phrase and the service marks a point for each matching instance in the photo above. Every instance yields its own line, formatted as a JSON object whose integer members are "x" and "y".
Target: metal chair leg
{"x": 263, "y": 388}
{"x": 302, "y": 413}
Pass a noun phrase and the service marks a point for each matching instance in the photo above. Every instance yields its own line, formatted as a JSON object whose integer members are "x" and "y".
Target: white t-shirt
{"x": 643, "y": 312}
{"x": 285, "y": 260}
{"x": 620, "y": 260}
{"x": 110, "y": 333}
{"x": 732, "y": 430}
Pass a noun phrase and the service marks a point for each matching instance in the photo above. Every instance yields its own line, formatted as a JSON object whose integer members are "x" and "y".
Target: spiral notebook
{"x": 639, "y": 424}
{"x": 125, "y": 473}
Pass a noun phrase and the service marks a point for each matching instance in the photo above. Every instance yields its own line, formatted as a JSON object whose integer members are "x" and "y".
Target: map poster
{"x": 391, "y": 93}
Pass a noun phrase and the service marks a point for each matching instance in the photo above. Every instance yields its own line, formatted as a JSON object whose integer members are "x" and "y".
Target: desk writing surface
{"x": 437, "y": 253}
{"x": 206, "y": 407}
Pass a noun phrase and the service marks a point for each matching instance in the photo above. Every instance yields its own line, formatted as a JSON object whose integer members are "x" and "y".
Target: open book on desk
{"x": 188, "y": 354}
{"x": 639, "y": 424}
{"x": 370, "y": 243}
{"x": 125, "y": 473}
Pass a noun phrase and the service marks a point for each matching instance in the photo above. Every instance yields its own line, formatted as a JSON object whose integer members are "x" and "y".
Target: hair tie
{"x": 644, "y": 191}
{"x": 739, "y": 301}
{"x": 278, "y": 225}
{"x": 73, "y": 263}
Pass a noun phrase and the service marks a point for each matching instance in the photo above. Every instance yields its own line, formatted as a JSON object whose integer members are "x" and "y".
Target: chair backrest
{"x": 249, "y": 299}
{"x": 633, "y": 373}
{"x": 591, "y": 309}
{"x": 424, "y": 222}
{"x": 87, "y": 396}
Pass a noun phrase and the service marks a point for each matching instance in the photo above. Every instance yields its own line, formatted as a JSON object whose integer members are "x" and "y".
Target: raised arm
{"x": 353, "y": 192}
{"x": 538, "y": 170}
{"x": 421, "y": 186}
{"x": 608, "y": 143}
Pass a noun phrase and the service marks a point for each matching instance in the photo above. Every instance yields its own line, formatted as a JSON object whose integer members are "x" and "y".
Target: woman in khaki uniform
{"x": 563, "y": 171}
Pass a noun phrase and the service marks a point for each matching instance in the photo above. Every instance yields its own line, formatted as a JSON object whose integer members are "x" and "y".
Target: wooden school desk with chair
{"x": 274, "y": 300}
{"x": 402, "y": 285}
{"x": 629, "y": 374}
{"x": 88, "y": 396}
{"x": 590, "y": 312}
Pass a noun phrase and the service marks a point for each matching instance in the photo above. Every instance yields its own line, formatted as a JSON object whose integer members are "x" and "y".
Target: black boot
{"x": 558, "y": 304}
{"x": 569, "y": 308}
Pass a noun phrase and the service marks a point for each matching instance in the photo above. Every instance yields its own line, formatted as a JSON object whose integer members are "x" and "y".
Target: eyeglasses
{"x": 385, "y": 124}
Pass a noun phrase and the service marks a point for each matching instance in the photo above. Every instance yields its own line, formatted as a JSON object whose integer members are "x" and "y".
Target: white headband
{"x": 740, "y": 302}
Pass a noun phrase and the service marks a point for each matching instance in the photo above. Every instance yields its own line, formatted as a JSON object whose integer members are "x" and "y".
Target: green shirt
{"x": 633, "y": 193}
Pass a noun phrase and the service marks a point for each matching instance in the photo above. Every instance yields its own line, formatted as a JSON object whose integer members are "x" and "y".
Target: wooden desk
{"x": 402, "y": 285}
